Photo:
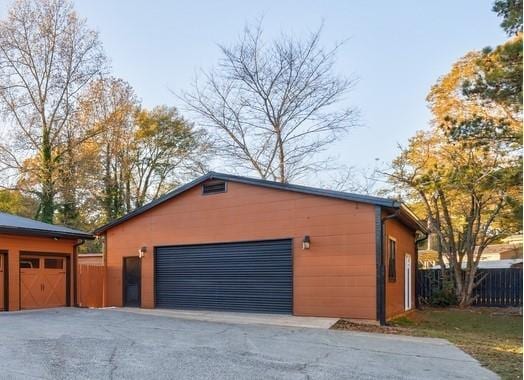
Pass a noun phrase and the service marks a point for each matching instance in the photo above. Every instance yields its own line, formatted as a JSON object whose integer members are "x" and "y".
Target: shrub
{"x": 445, "y": 296}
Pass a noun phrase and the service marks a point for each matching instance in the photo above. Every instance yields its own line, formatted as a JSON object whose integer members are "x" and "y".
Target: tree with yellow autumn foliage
{"x": 135, "y": 155}
{"x": 469, "y": 195}
{"x": 465, "y": 172}
{"x": 481, "y": 97}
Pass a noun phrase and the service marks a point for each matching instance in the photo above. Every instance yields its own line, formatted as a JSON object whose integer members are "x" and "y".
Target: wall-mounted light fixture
{"x": 142, "y": 251}
{"x": 306, "y": 242}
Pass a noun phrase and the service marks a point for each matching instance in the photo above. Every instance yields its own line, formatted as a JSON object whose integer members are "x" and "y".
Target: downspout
{"x": 417, "y": 241}
{"x": 379, "y": 259}
{"x": 383, "y": 271}
{"x": 75, "y": 270}
{"x": 104, "y": 252}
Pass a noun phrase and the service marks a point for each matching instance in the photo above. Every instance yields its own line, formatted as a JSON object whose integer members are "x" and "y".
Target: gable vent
{"x": 214, "y": 187}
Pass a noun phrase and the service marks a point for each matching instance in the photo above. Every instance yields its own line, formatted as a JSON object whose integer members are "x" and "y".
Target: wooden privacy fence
{"x": 500, "y": 287}
{"x": 90, "y": 286}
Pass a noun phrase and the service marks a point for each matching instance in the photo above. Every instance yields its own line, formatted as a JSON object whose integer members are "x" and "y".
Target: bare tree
{"x": 273, "y": 105}
{"x": 47, "y": 56}
{"x": 368, "y": 181}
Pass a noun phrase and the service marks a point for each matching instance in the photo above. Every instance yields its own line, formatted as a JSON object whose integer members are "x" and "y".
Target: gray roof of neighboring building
{"x": 378, "y": 201}
{"x": 17, "y": 225}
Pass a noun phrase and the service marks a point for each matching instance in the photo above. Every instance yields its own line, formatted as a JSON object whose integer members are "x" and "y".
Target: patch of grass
{"x": 404, "y": 321}
{"x": 493, "y": 336}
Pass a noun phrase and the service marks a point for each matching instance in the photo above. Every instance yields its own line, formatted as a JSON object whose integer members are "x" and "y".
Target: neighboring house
{"x": 502, "y": 255}
{"x": 500, "y": 264}
{"x": 37, "y": 268}
{"x": 428, "y": 252}
{"x": 494, "y": 264}
{"x": 514, "y": 239}
{"x": 224, "y": 242}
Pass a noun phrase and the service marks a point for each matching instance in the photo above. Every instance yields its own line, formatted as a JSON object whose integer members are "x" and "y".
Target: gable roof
{"x": 17, "y": 225}
{"x": 377, "y": 201}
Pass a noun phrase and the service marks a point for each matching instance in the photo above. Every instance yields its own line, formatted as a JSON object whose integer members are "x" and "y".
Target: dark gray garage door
{"x": 252, "y": 276}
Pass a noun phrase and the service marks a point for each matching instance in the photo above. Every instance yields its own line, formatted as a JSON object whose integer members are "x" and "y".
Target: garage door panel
{"x": 30, "y": 289}
{"x": 43, "y": 282}
{"x": 253, "y": 276}
{"x": 54, "y": 289}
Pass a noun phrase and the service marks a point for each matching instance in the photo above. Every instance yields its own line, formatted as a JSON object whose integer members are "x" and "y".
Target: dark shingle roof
{"x": 378, "y": 201}
{"x": 13, "y": 224}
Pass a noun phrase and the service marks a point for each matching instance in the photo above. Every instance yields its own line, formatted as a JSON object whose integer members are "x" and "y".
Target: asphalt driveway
{"x": 99, "y": 344}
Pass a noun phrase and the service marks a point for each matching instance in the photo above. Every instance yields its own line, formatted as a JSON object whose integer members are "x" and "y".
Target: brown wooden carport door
{"x": 43, "y": 282}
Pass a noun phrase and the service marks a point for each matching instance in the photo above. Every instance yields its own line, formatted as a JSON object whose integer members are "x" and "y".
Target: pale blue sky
{"x": 397, "y": 50}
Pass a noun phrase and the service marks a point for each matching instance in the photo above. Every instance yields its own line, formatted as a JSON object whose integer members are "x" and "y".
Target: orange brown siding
{"x": 335, "y": 277}
{"x": 405, "y": 245}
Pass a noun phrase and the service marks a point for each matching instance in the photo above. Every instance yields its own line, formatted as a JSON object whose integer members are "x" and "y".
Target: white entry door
{"x": 407, "y": 283}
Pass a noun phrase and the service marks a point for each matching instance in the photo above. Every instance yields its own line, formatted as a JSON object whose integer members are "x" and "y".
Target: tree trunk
{"x": 47, "y": 203}
{"x": 107, "y": 195}
{"x": 48, "y": 192}
{"x": 468, "y": 286}
{"x": 70, "y": 214}
{"x": 281, "y": 160}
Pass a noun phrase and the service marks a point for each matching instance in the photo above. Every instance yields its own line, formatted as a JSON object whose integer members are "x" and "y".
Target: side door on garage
{"x": 244, "y": 276}
{"x": 43, "y": 281}
{"x": 132, "y": 277}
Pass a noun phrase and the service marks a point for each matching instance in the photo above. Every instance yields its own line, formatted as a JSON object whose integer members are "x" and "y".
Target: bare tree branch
{"x": 47, "y": 56}
{"x": 272, "y": 105}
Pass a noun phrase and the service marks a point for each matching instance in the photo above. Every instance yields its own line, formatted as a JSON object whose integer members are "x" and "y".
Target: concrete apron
{"x": 236, "y": 318}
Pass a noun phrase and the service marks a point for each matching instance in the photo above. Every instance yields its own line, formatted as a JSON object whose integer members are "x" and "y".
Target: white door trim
{"x": 408, "y": 287}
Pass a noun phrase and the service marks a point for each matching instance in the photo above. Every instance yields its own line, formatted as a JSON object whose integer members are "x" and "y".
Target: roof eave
{"x": 412, "y": 218}
{"x": 44, "y": 233}
{"x": 384, "y": 202}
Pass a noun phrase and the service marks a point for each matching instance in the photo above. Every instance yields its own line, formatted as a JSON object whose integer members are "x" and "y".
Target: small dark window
{"x": 392, "y": 272}
{"x": 54, "y": 263}
{"x": 29, "y": 263}
{"x": 214, "y": 187}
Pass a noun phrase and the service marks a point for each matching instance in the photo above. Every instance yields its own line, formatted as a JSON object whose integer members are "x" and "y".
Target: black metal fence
{"x": 499, "y": 287}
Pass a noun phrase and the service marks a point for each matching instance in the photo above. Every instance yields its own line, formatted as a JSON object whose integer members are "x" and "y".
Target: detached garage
{"x": 36, "y": 263}
{"x": 232, "y": 243}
